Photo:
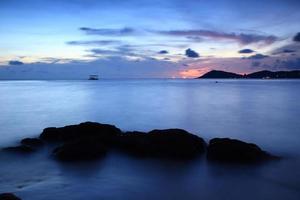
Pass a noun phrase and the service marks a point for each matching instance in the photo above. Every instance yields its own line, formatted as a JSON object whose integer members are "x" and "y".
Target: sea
{"x": 264, "y": 112}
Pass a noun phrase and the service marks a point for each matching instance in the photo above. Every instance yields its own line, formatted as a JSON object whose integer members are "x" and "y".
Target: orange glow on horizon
{"x": 193, "y": 73}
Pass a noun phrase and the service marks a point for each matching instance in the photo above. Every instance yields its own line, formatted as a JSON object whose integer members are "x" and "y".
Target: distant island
{"x": 265, "y": 74}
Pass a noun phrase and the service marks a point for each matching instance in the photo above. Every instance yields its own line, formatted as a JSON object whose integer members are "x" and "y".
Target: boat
{"x": 93, "y": 77}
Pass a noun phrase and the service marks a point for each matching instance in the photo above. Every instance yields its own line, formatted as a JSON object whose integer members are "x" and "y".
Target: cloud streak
{"x": 258, "y": 56}
{"x": 241, "y": 38}
{"x": 108, "y": 32}
{"x": 93, "y": 42}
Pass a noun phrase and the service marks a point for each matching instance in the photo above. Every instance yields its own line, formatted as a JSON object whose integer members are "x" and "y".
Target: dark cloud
{"x": 15, "y": 62}
{"x": 258, "y": 56}
{"x": 191, "y": 53}
{"x": 122, "y": 50}
{"x": 297, "y": 37}
{"x": 246, "y": 51}
{"x": 94, "y": 42}
{"x": 241, "y": 38}
{"x": 289, "y": 48}
{"x": 163, "y": 52}
{"x": 111, "y": 32}
{"x": 288, "y": 51}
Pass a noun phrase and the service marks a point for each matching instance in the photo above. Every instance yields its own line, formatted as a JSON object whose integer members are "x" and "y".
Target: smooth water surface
{"x": 265, "y": 112}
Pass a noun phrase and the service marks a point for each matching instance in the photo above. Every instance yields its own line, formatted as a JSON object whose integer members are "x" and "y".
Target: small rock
{"x": 8, "y": 196}
{"x": 19, "y": 149}
{"x": 231, "y": 150}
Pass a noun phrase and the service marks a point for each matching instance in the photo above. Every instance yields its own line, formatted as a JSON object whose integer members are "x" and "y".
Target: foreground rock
{"x": 19, "y": 149}
{"x": 8, "y": 196}
{"x": 105, "y": 132}
{"x": 171, "y": 143}
{"x": 230, "y": 150}
{"x": 32, "y": 142}
{"x": 84, "y": 149}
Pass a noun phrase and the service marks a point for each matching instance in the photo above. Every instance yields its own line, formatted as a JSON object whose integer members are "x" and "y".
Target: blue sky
{"x": 170, "y": 38}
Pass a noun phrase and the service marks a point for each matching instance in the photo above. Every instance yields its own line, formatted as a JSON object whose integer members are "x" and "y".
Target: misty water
{"x": 265, "y": 112}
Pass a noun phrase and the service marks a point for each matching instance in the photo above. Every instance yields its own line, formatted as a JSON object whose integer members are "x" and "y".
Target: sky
{"x": 70, "y": 39}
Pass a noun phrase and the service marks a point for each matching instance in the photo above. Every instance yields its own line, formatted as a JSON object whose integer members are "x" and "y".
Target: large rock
{"x": 83, "y": 149}
{"x": 19, "y": 149}
{"x": 231, "y": 150}
{"x": 170, "y": 143}
{"x": 8, "y": 196}
{"x": 32, "y": 142}
{"x": 105, "y": 132}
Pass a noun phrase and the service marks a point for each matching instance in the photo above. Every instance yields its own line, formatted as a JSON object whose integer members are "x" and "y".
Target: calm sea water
{"x": 264, "y": 112}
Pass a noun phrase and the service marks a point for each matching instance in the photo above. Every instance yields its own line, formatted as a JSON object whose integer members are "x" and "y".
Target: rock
{"x": 51, "y": 134}
{"x": 105, "y": 132}
{"x": 19, "y": 149}
{"x": 83, "y": 149}
{"x": 32, "y": 142}
{"x": 231, "y": 150}
{"x": 8, "y": 196}
{"x": 170, "y": 143}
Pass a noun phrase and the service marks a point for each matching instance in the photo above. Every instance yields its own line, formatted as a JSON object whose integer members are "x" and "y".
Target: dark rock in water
{"x": 170, "y": 143}
{"x": 230, "y": 150}
{"x": 83, "y": 149}
{"x": 19, "y": 149}
{"x": 51, "y": 134}
{"x": 8, "y": 196}
{"x": 32, "y": 142}
{"x": 105, "y": 132}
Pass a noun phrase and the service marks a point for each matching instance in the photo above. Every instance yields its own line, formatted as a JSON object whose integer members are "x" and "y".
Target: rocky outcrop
{"x": 8, "y": 196}
{"x": 231, "y": 150}
{"x": 90, "y": 140}
{"x": 84, "y": 149}
{"x": 171, "y": 143}
{"x": 104, "y": 132}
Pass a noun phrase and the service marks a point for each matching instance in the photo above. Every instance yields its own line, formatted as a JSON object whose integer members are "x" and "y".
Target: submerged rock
{"x": 171, "y": 143}
{"x": 19, "y": 149}
{"x": 8, "y": 196}
{"x": 231, "y": 150}
{"x": 32, "y": 142}
{"x": 84, "y": 149}
{"x": 105, "y": 132}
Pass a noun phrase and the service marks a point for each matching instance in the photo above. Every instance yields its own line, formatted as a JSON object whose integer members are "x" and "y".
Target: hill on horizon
{"x": 264, "y": 74}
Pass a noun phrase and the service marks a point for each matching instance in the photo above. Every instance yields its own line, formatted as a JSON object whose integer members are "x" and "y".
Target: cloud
{"x": 241, "y": 38}
{"x": 15, "y": 62}
{"x": 110, "y": 32}
{"x": 163, "y": 52}
{"x": 94, "y": 42}
{"x": 297, "y": 37}
{"x": 286, "y": 49}
{"x": 246, "y": 51}
{"x": 258, "y": 56}
{"x": 191, "y": 53}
